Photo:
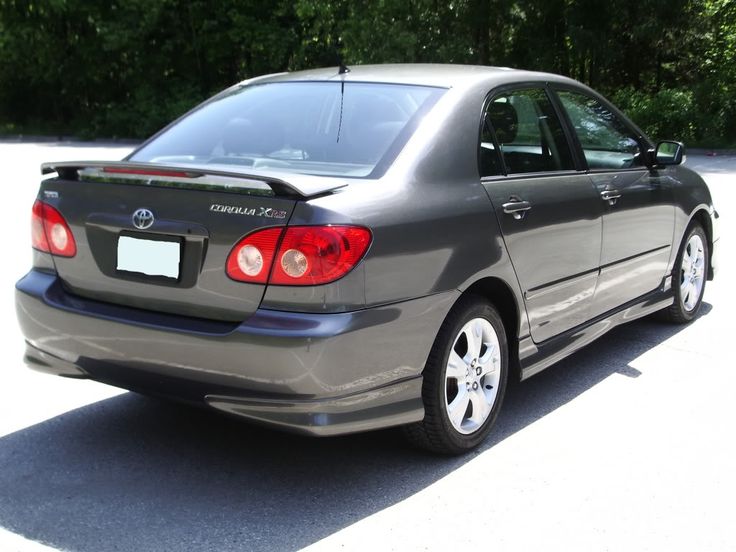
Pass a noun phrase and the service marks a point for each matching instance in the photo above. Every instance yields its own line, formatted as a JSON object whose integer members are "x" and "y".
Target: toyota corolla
{"x": 341, "y": 250}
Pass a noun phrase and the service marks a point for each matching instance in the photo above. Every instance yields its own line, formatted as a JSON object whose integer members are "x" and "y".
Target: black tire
{"x": 678, "y": 313}
{"x": 436, "y": 432}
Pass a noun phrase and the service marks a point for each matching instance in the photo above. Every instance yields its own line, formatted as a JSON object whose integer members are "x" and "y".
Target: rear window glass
{"x": 327, "y": 128}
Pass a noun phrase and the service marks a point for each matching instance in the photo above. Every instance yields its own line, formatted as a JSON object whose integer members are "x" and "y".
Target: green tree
{"x": 125, "y": 68}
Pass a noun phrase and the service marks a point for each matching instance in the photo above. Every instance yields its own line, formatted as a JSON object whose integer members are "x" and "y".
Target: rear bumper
{"x": 320, "y": 374}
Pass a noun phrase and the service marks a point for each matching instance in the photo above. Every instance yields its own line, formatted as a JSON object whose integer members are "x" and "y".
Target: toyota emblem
{"x": 142, "y": 219}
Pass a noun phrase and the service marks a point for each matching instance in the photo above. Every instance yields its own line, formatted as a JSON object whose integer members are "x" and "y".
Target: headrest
{"x": 504, "y": 120}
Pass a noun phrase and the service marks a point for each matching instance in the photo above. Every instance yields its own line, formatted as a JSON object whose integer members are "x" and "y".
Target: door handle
{"x": 516, "y": 207}
{"x": 611, "y": 196}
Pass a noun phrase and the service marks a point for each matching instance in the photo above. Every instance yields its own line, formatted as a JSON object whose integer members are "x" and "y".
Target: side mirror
{"x": 669, "y": 152}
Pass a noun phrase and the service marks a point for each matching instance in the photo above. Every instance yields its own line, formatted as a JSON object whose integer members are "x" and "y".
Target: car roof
{"x": 423, "y": 74}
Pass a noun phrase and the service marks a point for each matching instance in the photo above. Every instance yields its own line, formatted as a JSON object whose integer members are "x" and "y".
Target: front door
{"x": 638, "y": 220}
{"x": 549, "y": 213}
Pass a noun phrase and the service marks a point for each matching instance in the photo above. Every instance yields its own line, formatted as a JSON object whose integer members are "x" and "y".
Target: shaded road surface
{"x": 627, "y": 445}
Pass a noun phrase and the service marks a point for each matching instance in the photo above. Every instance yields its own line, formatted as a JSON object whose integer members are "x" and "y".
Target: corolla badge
{"x": 142, "y": 219}
{"x": 266, "y": 212}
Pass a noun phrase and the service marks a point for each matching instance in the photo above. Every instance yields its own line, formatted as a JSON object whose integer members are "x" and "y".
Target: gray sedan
{"x": 347, "y": 249}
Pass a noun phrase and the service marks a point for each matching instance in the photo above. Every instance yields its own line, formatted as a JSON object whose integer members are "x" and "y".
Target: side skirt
{"x": 535, "y": 357}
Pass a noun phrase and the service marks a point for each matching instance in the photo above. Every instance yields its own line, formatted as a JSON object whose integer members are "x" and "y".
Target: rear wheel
{"x": 689, "y": 276}
{"x": 464, "y": 380}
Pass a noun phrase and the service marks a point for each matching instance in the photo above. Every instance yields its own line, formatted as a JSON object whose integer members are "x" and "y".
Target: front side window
{"x": 527, "y": 132}
{"x": 607, "y": 142}
{"x": 326, "y": 128}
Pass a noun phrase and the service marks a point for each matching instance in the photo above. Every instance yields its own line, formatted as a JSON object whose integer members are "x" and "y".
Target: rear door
{"x": 638, "y": 219}
{"x": 549, "y": 212}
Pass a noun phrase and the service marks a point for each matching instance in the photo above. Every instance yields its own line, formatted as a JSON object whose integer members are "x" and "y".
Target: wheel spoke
{"x": 688, "y": 296}
{"x": 699, "y": 268}
{"x": 687, "y": 265}
{"x": 685, "y": 287}
{"x": 487, "y": 367}
{"x": 488, "y": 364}
{"x": 481, "y": 408}
{"x": 456, "y": 366}
{"x": 692, "y": 249}
{"x": 490, "y": 352}
{"x": 474, "y": 336}
{"x": 459, "y": 405}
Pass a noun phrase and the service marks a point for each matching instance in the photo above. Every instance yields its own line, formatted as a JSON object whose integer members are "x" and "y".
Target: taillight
{"x": 312, "y": 255}
{"x": 305, "y": 256}
{"x": 50, "y": 232}
{"x": 38, "y": 234}
{"x": 251, "y": 258}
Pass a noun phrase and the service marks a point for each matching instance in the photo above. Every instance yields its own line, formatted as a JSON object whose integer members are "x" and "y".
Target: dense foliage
{"x": 105, "y": 68}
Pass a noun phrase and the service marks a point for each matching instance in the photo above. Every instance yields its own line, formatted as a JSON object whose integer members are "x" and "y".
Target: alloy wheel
{"x": 472, "y": 376}
{"x": 692, "y": 273}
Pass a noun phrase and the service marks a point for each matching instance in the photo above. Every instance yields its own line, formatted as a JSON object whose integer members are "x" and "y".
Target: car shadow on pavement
{"x": 134, "y": 473}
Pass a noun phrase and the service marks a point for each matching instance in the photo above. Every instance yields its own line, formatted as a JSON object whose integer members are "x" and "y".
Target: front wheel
{"x": 689, "y": 276}
{"x": 464, "y": 380}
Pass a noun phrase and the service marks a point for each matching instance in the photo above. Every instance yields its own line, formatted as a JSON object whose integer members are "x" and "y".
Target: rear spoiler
{"x": 282, "y": 184}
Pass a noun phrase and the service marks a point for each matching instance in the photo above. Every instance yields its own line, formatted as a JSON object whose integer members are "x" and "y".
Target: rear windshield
{"x": 327, "y": 128}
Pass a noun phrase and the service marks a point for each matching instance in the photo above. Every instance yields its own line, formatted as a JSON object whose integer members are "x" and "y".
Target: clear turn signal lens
{"x": 294, "y": 263}
{"x": 250, "y": 260}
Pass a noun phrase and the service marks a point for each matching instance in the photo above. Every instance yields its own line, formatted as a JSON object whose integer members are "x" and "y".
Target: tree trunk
{"x": 481, "y": 15}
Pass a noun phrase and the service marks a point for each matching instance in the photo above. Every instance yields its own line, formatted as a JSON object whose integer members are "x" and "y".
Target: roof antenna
{"x": 338, "y": 54}
{"x": 343, "y": 68}
{"x": 342, "y": 100}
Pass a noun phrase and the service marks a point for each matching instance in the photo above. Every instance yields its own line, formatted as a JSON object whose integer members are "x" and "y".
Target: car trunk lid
{"x": 157, "y": 237}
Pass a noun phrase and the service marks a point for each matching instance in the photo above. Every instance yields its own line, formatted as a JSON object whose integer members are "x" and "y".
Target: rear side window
{"x": 525, "y": 128}
{"x": 328, "y": 128}
{"x": 607, "y": 141}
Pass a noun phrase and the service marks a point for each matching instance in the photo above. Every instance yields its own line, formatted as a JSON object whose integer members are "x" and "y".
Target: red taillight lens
{"x": 38, "y": 234}
{"x": 305, "y": 256}
{"x": 312, "y": 255}
{"x": 251, "y": 258}
{"x": 50, "y": 232}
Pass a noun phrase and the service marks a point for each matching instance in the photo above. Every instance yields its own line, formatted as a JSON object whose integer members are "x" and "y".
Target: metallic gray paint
{"x": 97, "y": 213}
{"x": 395, "y": 404}
{"x": 280, "y": 353}
{"x": 357, "y": 346}
{"x": 637, "y": 236}
{"x": 300, "y": 185}
{"x": 555, "y": 250}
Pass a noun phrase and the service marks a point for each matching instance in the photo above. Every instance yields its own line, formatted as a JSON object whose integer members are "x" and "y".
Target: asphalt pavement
{"x": 627, "y": 445}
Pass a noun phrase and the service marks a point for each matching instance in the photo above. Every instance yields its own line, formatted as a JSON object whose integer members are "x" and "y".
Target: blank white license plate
{"x": 150, "y": 257}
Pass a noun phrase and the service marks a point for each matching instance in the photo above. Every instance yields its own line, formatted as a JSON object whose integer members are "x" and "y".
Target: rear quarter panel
{"x": 434, "y": 229}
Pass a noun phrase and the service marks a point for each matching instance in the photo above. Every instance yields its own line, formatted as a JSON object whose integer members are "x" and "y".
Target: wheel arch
{"x": 499, "y": 293}
{"x": 702, "y": 216}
